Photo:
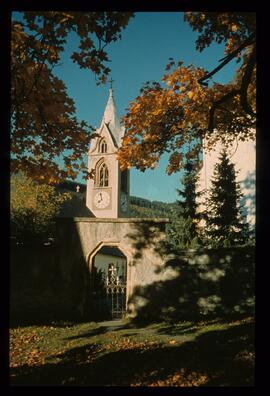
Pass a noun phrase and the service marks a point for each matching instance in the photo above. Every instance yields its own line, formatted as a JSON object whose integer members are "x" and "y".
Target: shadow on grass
{"x": 222, "y": 356}
{"x": 190, "y": 327}
{"x": 92, "y": 333}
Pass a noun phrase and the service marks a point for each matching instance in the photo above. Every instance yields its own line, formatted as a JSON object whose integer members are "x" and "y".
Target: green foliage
{"x": 189, "y": 193}
{"x": 140, "y": 211}
{"x": 33, "y": 209}
{"x": 225, "y": 225}
{"x": 183, "y": 232}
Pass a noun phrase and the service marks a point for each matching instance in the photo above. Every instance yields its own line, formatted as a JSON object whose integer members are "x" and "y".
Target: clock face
{"x": 102, "y": 199}
{"x": 123, "y": 202}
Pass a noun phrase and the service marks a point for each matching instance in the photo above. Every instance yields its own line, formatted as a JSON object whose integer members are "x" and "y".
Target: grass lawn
{"x": 209, "y": 353}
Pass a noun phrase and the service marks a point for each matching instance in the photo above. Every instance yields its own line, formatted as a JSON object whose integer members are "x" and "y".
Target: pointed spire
{"x": 111, "y": 119}
{"x": 110, "y": 113}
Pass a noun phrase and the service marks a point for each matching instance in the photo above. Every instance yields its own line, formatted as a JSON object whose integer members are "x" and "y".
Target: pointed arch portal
{"x": 108, "y": 283}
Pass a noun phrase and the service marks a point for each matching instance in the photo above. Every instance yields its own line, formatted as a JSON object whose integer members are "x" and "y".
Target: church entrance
{"x": 108, "y": 284}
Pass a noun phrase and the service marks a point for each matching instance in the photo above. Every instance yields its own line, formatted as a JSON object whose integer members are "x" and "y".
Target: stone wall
{"x": 204, "y": 282}
{"x": 54, "y": 280}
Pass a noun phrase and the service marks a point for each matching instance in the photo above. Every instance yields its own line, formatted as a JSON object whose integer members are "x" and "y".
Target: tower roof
{"x": 112, "y": 121}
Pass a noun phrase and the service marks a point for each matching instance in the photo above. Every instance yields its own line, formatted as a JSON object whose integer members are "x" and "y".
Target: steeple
{"x": 107, "y": 193}
{"x": 111, "y": 119}
{"x": 110, "y": 113}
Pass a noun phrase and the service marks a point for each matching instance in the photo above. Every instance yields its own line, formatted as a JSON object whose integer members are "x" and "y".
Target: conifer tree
{"x": 225, "y": 225}
{"x": 183, "y": 232}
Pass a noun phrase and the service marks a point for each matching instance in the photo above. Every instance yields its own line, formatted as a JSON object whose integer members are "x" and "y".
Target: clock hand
{"x": 100, "y": 198}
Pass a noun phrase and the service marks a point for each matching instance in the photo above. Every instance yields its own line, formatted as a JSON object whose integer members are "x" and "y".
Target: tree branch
{"x": 250, "y": 40}
{"x": 231, "y": 94}
{"x": 245, "y": 83}
{"x": 242, "y": 91}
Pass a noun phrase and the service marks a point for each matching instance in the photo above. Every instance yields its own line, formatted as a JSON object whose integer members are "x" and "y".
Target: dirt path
{"x": 112, "y": 324}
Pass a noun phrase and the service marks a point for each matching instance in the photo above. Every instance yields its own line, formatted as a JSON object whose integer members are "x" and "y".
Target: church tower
{"x": 107, "y": 194}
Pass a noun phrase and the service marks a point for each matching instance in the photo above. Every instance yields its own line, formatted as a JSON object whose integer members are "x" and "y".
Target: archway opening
{"x": 108, "y": 284}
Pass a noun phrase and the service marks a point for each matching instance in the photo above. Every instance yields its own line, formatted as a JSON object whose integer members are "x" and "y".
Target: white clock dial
{"x": 102, "y": 199}
{"x": 123, "y": 202}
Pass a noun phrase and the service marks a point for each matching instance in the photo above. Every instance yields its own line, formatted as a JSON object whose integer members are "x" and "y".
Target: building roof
{"x": 75, "y": 207}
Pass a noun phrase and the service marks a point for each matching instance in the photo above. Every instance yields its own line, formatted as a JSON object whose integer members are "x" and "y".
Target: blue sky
{"x": 142, "y": 54}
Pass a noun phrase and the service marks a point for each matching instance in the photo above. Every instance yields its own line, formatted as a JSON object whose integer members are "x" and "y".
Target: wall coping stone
{"x": 119, "y": 220}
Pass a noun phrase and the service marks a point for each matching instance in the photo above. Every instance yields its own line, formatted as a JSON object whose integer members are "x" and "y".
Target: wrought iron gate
{"x": 109, "y": 294}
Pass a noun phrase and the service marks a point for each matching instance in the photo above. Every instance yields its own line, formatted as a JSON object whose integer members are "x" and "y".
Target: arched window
{"x": 102, "y": 175}
{"x": 103, "y": 146}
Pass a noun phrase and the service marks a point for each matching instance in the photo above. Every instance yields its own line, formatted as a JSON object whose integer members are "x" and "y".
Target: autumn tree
{"x": 33, "y": 209}
{"x": 44, "y": 128}
{"x": 186, "y": 108}
{"x": 225, "y": 225}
